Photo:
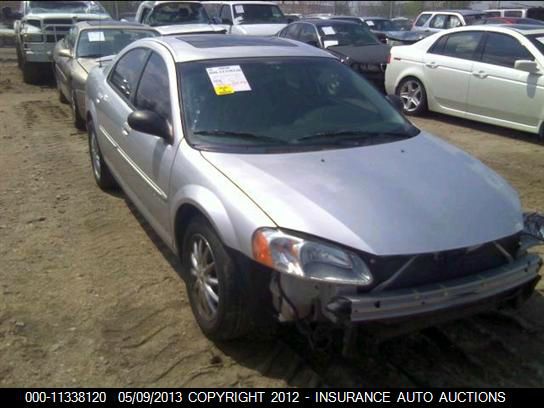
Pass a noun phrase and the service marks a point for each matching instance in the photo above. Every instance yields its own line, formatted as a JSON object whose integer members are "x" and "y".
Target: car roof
{"x": 110, "y": 24}
{"x": 523, "y": 29}
{"x": 197, "y": 47}
{"x": 324, "y": 22}
{"x": 464, "y": 12}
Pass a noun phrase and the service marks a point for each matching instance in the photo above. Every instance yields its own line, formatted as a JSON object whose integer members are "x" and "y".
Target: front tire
{"x": 215, "y": 286}
{"x": 78, "y": 121}
{"x": 413, "y": 95}
{"x": 101, "y": 171}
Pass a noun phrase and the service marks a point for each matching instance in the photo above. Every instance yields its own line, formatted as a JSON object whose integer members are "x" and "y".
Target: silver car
{"x": 81, "y": 50}
{"x": 291, "y": 189}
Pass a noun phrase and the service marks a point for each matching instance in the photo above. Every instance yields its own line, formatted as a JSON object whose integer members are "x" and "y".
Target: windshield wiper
{"x": 351, "y": 136}
{"x": 240, "y": 135}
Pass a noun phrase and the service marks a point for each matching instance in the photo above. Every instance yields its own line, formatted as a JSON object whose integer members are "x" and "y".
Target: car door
{"x": 500, "y": 92}
{"x": 63, "y": 65}
{"x": 113, "y": 105}
{"x": 448, "y": 69}
{"x": 151, "y": 156}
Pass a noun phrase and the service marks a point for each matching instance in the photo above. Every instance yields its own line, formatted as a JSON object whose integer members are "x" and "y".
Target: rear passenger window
{"x": 439, "y": 21}
{"x": 438, "y": 47}
{"x": 127, "y": 70}
{"x": 502, "y": 49}
{"x": 454, "y": 21}
{"x": 459, "y": 45}
{"x": 422, "y": 19}
{"x": 513, "y": 13}
{"x": 291, "y": 31}
{"x": 154, "y": 92}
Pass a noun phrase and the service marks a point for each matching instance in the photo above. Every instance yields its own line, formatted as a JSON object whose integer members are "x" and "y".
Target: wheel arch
{"x": 199, "y": 201}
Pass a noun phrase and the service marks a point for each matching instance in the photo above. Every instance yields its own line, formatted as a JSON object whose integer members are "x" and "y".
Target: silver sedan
{"x": 291, "y": 189}
{"x": 81, "y": 49}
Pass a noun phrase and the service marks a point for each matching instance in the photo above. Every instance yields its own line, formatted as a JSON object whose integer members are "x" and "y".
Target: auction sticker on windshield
{"x": 328, "y": 30}
{"x": 227, "y": 80}
{"x": 95, "y": 36}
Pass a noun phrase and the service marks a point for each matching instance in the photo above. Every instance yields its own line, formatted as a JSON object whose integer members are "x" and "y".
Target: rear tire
{"x": 413, "y": 96}
{"x": 101, "y": 171}
{"x": 215, "y": 286}
{"x": 19, "y": 57}
{"x": 31, "y": 73}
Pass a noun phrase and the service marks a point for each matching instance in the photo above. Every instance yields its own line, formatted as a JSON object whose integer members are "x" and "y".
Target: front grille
{"x": 441, "y": 266}
{"x": 61, "y": 21}
{"x": 56, "y": 32}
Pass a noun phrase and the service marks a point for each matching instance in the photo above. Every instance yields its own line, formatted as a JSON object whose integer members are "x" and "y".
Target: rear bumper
{"x": 493, "y": 286}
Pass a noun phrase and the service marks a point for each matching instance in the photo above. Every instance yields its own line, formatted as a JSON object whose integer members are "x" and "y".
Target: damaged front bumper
{"x": 516, "y": 279}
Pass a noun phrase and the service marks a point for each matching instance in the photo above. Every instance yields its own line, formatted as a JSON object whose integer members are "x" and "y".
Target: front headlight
{"x": 309, "y": 259}
{"x": 33, "y": 37}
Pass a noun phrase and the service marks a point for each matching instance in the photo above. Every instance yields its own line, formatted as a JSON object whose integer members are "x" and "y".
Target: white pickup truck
{"x": 42, "y": 25}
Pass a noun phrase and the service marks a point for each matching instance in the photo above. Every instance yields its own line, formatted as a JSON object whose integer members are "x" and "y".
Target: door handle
{"x": 126, "y": 129}
{"x": 480, "y": 74}
{"x": 431, "y": 64}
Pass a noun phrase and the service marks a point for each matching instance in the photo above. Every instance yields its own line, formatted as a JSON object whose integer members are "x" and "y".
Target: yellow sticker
{"x": 224, "y": 89}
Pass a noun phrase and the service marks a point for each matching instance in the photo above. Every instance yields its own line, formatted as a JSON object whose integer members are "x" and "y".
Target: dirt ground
{"x": 90, "y": 297}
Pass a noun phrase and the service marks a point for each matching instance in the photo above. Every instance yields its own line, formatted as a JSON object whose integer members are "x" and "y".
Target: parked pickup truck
{"x": 42, "y": 25}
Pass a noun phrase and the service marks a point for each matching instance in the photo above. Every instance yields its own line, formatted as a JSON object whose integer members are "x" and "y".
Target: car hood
{"x": 406, "y": 35}
{"x": 88, "y": 63}
{"x": 375, "y": 53}
{"x": 257, "y": 29}
{"x": 189, "y": 29}
{"x": 76, "y": 16}
{"x": 418, "y": 195}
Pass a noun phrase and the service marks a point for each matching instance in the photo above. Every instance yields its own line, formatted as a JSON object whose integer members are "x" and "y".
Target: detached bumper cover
{"x": 471, "y": 290}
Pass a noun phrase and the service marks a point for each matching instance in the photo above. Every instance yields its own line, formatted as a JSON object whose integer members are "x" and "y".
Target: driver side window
{"x": 153, "y": 91}
{"x": 308, "y": 35}
{"x": 225, "y": 13}
{"x": 126, "y": 72}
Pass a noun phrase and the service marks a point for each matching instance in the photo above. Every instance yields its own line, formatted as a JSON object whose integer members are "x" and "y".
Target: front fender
{"x": 213, "y": 209}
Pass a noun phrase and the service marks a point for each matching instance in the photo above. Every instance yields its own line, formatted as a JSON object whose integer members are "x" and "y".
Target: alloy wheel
{"x": 411, "y": 95}
{"x": 205, "y": 286}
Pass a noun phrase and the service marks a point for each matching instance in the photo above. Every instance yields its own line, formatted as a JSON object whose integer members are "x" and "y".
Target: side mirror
{"x": 65, "y": 52}
{"x": 147, "y": 121}
{"x": 527, "y": 66}
{"x": 313, "y": 43}
{"x": 227, "y": 21}
{"x": 396, "y": 102}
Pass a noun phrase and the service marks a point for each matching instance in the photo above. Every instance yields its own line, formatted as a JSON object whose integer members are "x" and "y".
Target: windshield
{"x": 287, "y": 103}
{"x": 258, "y": 14}
{"x": 88, "y": 7}
{"x": 102, "y": 42}
{"x": 380, "y": 25}
{"x": 474, "y": 19}
{"x": 178, "y": 13}
{"x": 346, "y": 34}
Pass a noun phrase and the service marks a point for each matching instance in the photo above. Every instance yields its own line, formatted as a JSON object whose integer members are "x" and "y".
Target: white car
{"x": 492, "y": 74}
{"x": 262, "y": 18}
{"x": 176, "y": 17}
